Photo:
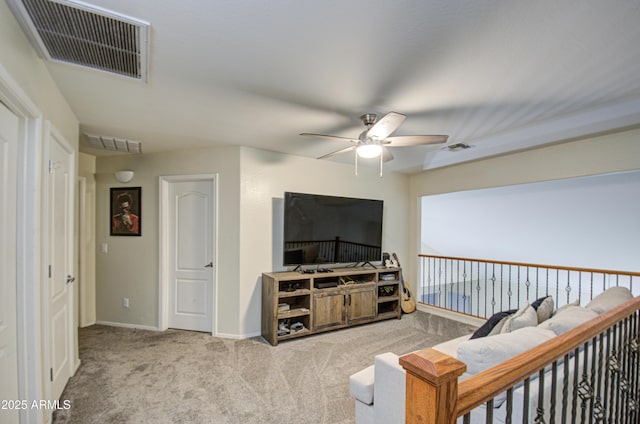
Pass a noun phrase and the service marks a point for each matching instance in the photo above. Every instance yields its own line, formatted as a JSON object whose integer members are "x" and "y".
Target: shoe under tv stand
{"x": 295, "y": 304}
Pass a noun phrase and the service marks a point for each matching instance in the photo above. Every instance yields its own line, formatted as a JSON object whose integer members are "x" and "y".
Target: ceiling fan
{"x": 374, "y": 140}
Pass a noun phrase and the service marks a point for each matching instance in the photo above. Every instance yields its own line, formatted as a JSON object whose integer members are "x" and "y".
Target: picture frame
{"x": 125, "y": 218}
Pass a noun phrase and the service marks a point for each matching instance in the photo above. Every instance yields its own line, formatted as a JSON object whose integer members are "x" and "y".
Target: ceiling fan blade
{"x": 337, "y": 152}
{"x": 386, "y": 125}
{"x": 415, "y": 140}
{"x": 329, "y": 137}
{"x": 386, "y": 155}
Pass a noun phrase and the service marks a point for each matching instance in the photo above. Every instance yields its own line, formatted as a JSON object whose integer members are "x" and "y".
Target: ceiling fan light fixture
{"x": 369, "y": 151}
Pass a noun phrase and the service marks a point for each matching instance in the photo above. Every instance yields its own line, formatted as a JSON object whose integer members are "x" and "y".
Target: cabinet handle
{"x": 349, "y": 299}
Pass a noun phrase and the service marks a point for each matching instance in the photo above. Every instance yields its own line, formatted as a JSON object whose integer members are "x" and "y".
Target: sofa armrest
{"x": 390, "y": 389}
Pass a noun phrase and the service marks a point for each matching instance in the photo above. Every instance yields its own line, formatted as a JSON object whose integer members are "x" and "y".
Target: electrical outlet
{"x": 125, "y": 302}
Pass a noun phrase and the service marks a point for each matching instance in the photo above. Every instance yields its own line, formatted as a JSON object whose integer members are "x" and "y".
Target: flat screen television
{"x": 331, "y": 230}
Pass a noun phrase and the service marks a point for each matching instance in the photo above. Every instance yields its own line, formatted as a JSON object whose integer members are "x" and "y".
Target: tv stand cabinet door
{"x": 361, "y": 304}
{"x": 328, "y": 309}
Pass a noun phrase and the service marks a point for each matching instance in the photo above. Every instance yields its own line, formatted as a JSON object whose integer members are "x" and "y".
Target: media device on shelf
{"x": 323, "y": 230}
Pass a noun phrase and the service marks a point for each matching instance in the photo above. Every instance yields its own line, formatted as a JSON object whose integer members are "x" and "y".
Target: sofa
{"x": 379, "y": 390}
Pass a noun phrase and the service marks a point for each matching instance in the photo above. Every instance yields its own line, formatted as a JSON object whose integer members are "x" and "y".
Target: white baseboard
{"x": 467, "y": 319}
{"x": 126, "y": 325}
{"x": 148, "y": 327}
{"x": 238, "y": 336}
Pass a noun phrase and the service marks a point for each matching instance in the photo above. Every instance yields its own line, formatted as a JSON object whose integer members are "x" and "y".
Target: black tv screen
{"x": 330, "y": 230}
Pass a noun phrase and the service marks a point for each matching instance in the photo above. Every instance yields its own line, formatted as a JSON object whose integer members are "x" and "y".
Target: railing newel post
{"x": 431, "y": 387}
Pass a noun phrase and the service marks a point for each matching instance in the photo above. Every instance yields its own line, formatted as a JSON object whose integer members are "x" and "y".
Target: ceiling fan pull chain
{"x": 381, "y": 156}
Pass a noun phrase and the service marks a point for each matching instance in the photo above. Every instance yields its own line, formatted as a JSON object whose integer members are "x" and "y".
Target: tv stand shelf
{"x": 296, "y": 304}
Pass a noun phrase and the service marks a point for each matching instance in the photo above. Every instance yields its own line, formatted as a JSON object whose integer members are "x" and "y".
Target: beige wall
{"x": 250, "y": 182}
{"x": 130, "y": 268}
{"x": 87, "y": 240}
{"x": 590, "y": 156}
{"x": 265, "y": 176}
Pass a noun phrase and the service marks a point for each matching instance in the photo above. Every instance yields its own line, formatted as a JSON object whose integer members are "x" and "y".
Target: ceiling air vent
{"x": 85, "y": 35}
{"x": 457, "y": 147}
{"x": 114, "y": 144}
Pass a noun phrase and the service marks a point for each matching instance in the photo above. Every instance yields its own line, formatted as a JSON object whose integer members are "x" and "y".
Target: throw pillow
{"x": 609, "y": 299}
{"x": 525, "y": 317}
{"x": 568, "y": 318}
{"x": 544, "y": 308}
{"x": 493, "y": 325}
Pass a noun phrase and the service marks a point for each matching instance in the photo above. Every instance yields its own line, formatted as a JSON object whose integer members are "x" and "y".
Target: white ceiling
{"x": 499, "y": 75}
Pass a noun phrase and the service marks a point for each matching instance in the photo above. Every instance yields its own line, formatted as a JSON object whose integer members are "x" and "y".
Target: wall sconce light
{"x": 124, "y": 176}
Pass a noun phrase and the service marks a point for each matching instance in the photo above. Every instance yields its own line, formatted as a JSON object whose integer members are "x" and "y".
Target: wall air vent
{"x": 80, "y": 34}
{"x": 114, "y": 144}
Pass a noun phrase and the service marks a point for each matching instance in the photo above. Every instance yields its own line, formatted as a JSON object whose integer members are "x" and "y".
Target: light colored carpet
{"x": 139, "y": 376}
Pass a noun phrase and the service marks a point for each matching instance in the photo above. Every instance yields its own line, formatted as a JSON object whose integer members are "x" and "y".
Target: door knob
{"x": 209, "y": 265}
{"x": 70, "y": 279}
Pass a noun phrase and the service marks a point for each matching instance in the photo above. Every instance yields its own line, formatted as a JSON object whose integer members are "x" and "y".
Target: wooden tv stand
{"x": 313, "y": 303}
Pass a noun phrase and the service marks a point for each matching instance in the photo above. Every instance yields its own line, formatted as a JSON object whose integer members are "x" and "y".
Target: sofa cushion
{"x": 563, "y": 307}
{"x": 480, "y": 354}
{"x": 361, "y": 385}
{"x": 450, "y": 347}
{"x": 568, "y": 318}
{"x": 525, "y": 317}
{"x": 609, "y": 299}
{"x": 544, "y": 308}
{"x": 494, "y": 324}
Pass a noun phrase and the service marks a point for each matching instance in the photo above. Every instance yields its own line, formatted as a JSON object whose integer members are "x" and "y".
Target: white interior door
{"x": 191, "y": 255}
{"x": 60, "y": 254}
{"x": 8, "y": 326}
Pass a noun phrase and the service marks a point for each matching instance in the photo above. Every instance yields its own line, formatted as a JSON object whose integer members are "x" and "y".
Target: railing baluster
{"x": 607, "y": 376}
{"x": 478, "y": 288}
{"x": 509, "y": 291}
{"x": 528, "y": 283}
{"x": 485, "y": 289}
{"x": 489, "y": 419}
{"x": 547, "y": 284}
{"x": 493, "y": 289}
{"x": 557, "y": 296}
{"x": 540, "y": 409}
{"x": 626, "y": 365}
{"x": 525, "y": 404}
{"x": 565, "y": 387}
{"x": 574, "y": 400}
{"x": 508, "y": 419}
{"x": 592, "y": 377}
{"x": 615, "y": 376}
{"x": 537, "y": 282}
{"x": 598, "y": 407}
{"x": 584, "y": 391}
{"x": 579, "y": 287}
{"x": 636, "y": 368}
{"x": 554, "y": 388}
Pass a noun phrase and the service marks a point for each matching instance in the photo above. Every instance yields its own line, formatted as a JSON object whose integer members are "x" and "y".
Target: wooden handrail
{"x": 484, "y": 386}
{"x": 563, "y": 268}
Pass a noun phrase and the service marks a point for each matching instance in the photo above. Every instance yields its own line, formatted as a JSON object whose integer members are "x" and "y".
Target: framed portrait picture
{"x": 126, "y": 214}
